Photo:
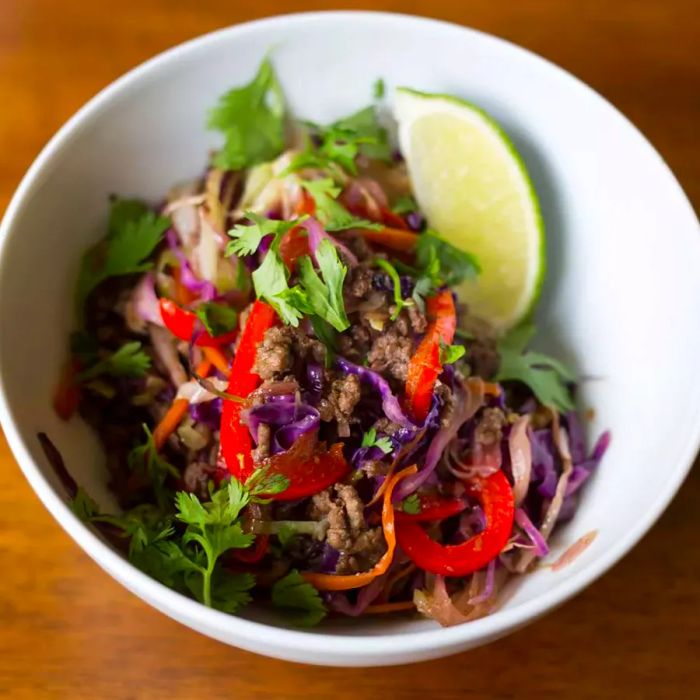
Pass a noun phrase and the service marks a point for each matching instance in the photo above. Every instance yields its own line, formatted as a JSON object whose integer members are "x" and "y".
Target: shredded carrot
{"x": 333, "y": 582}
{"x": 491, "y": 389}
{"x": 169, "y": 422}
{"x": 218, "y": 359}
{"x": 381, "y": 608}
{"x": 393, "y": 238}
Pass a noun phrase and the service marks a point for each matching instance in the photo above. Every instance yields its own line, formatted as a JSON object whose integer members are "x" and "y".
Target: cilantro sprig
{"x": 329, "y": 211}
{"x": 251, "y": 118}
{"x": 411, "y": 504}
{"x": 449, "y": 354}
{"x": 547, "y": 377}
{"x": 248, "y": 236}
{"x": 146, "y": 459}
{"x": 399, "y": 302}
{"x": 325, "y": 297}
{"x": 128, "y": 361}
{"x": 134, "y": 233}
{"x": 299, "y": 599}
{"x": 370, "y": 439}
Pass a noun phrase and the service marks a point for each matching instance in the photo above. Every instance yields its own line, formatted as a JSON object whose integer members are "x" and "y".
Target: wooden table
{"x": 68, "y": 631}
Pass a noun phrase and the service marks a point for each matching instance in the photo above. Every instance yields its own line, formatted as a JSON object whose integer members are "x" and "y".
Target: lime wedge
{"x": 473, "y": 188}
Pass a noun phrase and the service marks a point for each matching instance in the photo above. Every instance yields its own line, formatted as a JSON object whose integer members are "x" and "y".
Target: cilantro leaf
{"x": 251, "y": 118}
{"x": 217, "y": 318}
{"x": 369, "y": 439}
{"x": 325, "y": 297}
{"x": 327, "y": 335}
{"x": 230, "y": 592}
{"x": 331, "y": 213}
{"x": 270, "y": 282}
{"x": 124, "y": 211}
{"x": 83, "y": 505}
{"x": 444, "y": 263}
{"x": 365, "y": 125}
{"x": 248, "y": 236}
{"x": 128, "y": 361}
{"x": 124, "y": 252}
{"x": 396, "y": 280}
{"x": 411, "y": 504}
{"x": 405, "y": 205}
{"x": 145, "y": 458}
{"x": 213, "y": 529}
{"x": 546, "y": 377}
{"x": 449, "y": 354}
{"x": 300, "y": 599}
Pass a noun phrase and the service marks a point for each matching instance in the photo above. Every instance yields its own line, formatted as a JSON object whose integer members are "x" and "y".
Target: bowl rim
{"x": 246, "y": 633}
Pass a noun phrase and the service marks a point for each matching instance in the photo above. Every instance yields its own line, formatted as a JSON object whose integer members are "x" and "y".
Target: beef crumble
{"x": 489, "y": 430}
{"x": 360, "y": 546}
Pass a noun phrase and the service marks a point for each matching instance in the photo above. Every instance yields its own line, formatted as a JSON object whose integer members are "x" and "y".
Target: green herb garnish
{"x": 251, "y": 119}
{"x": 546, "y": 377}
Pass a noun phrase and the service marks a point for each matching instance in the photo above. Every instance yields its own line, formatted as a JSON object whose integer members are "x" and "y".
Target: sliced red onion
{"x": 143, "y": 302}
{"x": 526, "y": 525}
{"x": 365, "y": 597}
{"x": 467, "y": 403}
{"x": 520, "y": 458}
{"x": 552, "y": 513}
{"x": 195, "y": 393}
{"x": 576, "y": 549}
{"x": 487, "y": 591}
{"x": 185, "y": 220}
{"x": 208, "y": 250}
{"x": 317, "y": 234}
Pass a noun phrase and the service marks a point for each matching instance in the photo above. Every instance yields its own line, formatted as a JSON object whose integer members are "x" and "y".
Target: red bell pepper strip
{"x": 181, "y": 324}
{"x": 236, "y": 443}
{"x": 255, "y": 553}
{"x": 433, "y": 507}
{"x": 425, "y": 365}
{"x": 498, "y": 504}
{"x": 307, "y": 470}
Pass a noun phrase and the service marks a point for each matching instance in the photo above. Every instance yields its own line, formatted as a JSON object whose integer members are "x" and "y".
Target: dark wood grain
{"x": 68, "y": 631}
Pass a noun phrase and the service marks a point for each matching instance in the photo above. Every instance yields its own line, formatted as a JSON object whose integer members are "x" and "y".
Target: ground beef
{"x": 274, "y": 354}
{"x": 391, "y": 353}
{"x": 196, "y": 478}
{"x": 385, "y": 426}
{"x": 339, "y": 402}
{"x": 283, "y": 348}
{"x": 374, "y": 467}
{"x": 262, "y": 451}
{"x": 360, "y": 546}
{"x": 411, "y": 320}
{"x": 489, "y": 429}
{"x": 358, "y": 282}
{"x": 444, "y": 393}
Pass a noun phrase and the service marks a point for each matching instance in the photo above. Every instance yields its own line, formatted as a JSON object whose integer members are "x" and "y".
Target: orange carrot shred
{"x": 218, "y": 359}
{"x": 393, "y": 238}
{"x": 333, "y": 582}
{"x": 169, "y": 422}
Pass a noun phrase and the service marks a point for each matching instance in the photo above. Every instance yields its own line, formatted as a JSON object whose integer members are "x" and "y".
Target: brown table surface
{"x": 67, "y": 630}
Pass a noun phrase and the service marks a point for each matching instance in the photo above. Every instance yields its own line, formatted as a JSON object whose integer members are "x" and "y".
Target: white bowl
{"x": 622, "y": 298}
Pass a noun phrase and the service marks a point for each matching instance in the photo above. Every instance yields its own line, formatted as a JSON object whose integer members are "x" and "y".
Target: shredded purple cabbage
{"x": 390, "y": 404}
{"x": 287, "y": 418}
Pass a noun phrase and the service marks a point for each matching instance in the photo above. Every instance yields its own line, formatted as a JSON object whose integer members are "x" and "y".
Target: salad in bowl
{"x": 309, "y": 367}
